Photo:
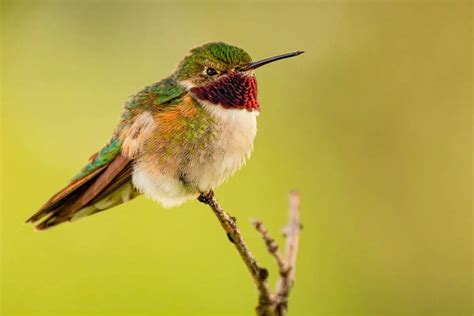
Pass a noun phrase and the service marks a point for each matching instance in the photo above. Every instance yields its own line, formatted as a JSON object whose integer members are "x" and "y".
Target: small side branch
{"x": 272, "y": 247}
{"x": 292, "y": 233}
{"x": 269, "y": 304}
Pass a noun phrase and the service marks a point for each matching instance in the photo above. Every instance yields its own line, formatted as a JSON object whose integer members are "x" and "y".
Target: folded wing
{"x": 103, "y": 183}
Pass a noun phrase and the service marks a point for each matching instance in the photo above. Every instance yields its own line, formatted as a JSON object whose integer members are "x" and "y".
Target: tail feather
{"x": 106, "y": 187}
{"x": 124, "y": 194}
{"x": 75, "y": 188}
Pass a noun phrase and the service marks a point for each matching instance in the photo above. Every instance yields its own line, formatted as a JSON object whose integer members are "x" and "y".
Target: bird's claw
{"x": 206, "y": 197}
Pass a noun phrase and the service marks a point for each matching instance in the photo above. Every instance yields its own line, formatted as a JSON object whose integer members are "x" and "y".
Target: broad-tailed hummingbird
{"x": 177, "y": 139}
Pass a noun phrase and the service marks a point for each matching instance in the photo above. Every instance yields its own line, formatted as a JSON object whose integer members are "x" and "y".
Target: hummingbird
{"x": 176, "y": 140}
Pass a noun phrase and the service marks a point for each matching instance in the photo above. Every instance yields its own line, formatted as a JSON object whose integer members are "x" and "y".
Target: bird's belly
{"x": 173, "y": 182}
{"x": 164, "y": 188}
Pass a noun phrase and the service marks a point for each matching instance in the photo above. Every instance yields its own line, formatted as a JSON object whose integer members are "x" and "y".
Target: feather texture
{"x": 83, "y": 192}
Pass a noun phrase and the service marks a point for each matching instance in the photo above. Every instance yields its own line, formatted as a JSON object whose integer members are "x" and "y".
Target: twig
{"x": 292, "y": 233}
{"x": 269, "y": 304}
{"x": 259, "y": 274}
{"x": 272, "y": 247}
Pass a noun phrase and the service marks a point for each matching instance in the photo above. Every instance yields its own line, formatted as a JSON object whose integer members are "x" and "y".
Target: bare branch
{"x": 269, "y": 305}
{"x": 272, "y": 247}
{"x": 292, "y": 233}
{"x": 259, "y": 274}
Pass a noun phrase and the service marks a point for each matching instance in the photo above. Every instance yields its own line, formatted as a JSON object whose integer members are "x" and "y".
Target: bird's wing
{"x": 108, "y": 168}
{"x": 106, "y": 180}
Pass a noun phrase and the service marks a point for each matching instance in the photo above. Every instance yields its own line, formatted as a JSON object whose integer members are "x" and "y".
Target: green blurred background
{"x": 372, "y": 125}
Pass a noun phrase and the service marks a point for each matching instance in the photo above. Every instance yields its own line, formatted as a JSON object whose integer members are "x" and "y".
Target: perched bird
{"x": 177, "y": 139}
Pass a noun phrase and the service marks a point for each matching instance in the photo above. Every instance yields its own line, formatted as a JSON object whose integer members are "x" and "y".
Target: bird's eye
{"x": 211, "y": 72}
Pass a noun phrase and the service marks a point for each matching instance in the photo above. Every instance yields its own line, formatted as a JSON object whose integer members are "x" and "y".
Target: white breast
{"x": 236, "y": 130}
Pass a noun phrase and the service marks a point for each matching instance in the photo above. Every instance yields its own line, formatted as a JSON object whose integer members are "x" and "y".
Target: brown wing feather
{"x": 122, "y": 178}
{"x": 105, "y": 179}
{"x": 59, "y": 197}
{"x": 79, "y": 194}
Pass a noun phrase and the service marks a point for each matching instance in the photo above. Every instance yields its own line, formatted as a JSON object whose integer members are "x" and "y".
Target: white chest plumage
{"x": 232, "y": 146}
{"x": 236, "y": 130}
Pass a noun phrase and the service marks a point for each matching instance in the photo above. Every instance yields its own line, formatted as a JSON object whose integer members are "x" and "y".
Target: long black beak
{"x": 260, "y": 63}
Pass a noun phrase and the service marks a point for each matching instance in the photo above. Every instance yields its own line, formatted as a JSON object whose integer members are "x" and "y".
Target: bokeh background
{"x": 372, "y": 125}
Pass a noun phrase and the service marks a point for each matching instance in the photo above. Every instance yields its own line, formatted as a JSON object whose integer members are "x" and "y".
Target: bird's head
{"x": 222, "y": 74}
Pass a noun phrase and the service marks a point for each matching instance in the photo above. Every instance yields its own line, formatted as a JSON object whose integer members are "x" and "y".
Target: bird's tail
{"x": 103, "y": 188}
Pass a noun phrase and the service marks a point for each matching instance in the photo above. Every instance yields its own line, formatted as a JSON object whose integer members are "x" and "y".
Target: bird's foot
{"x": 206, "y": 197}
